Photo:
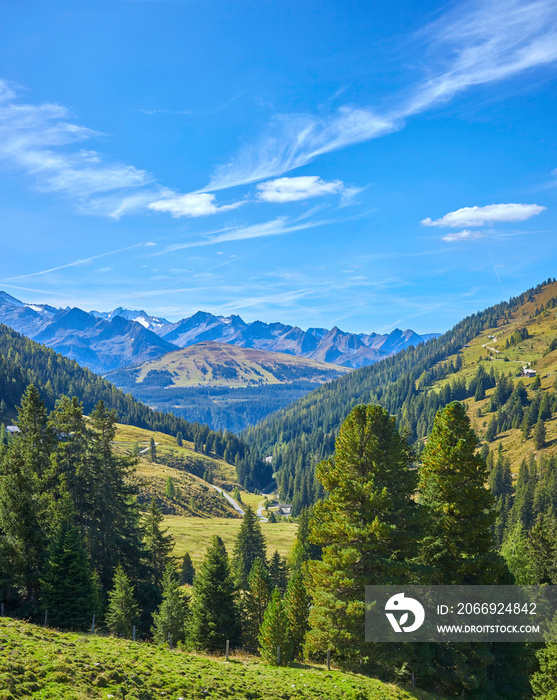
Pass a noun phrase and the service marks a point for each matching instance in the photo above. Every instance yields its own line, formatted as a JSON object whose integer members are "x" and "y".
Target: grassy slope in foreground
{"x": 43, "y": 663}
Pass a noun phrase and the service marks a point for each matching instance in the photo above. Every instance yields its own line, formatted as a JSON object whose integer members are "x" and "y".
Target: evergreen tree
{"x": 158, "y": 544}
{"x": 539, "y": 434}
{"x": 169, "y": 491}
{"x": 68, "y": 588}
{"x": 187, "y": 574}
{"x": 275, "y": 632}
{"x": 491, "y": 431}
{"x": 278, "y": 572}
{"x": 179, "y": 438}
{"x": 461, "y": 512}
{"x": 254, "y": 603}
{"x": 152, "y": 451}
{"x": 542, "y": 549}
{"x": 122, "y": 609}
{"x": 367, "y": 528}
{"x": 297, "y": 603}
{"x": 214, "y": 611}
{"x": 170, "y": 618}
{"x": 250, "y": 545}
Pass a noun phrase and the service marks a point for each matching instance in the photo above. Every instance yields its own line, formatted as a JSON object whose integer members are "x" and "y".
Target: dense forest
{"x": 24, "y": 362}
{"x": 74, "y": 551}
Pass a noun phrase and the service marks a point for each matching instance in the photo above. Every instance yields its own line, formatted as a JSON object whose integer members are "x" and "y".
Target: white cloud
{"x": 294, "y": 189}
{"x": 193, "y": 204}
{"x": 463, "y": 236}
{"x": 488, "y": 41}
{"x": 490, "y": 214}
{"x": 42, "y": 142}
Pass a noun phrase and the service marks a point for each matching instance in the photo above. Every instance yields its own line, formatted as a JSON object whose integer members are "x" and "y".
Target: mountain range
{"x": 108, "y": 341}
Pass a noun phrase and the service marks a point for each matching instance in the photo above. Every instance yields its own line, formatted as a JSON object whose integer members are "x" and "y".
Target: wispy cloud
{"x": 193, "y": 204}
{"x": 490, "y": 214}
{"x": 476, "y": 44}
{"x": 295, "y": 189}
{"x": 463, "y": 236}
{"x": 43, "y": 142}
{"x": 80, "y": 261}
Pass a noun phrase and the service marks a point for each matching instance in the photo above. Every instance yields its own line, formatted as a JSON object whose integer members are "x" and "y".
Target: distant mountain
{"x": 106, "y": 341}
{"x": 98, "y": 344}
{"x": 224, "y": 385}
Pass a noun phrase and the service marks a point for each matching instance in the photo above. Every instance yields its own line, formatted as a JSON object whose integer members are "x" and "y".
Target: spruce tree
{"x": 542, "y": 549}
{"x": 152, "y": 451}
{"x": 255, "y": 601}
{"x": 461, "y": 512}
{"x": 214, "y": 609}
{"x": 491, "y": 431}
{"x": 170, "y": 618}
{"x": 158, "y": 544}
{"x": 297, "y": 603}
{"x": 68, "y": 588}
{"x": 367, "y": 528}
{"x": 169, "y": 491}
{"x": 278, "y": 572}
{"x": 122, "y": 609}
{"x": 275, "y": 632}
{"x": 539, "y": 434}
{"x": 250, "y": 545}
{"x": 187, "y": 573}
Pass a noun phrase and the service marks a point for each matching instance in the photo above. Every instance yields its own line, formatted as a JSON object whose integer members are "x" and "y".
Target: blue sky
{"x": 355, "y": 163}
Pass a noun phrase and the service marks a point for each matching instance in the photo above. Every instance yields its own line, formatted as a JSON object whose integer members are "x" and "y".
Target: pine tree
{"x": 255, "y": 601}
{"x": 275, "y": 632}
{"x": 170, "y": 618}
{"x": 461, "y": 511}
{"x": 250, "y": 545}
{"x": 297, "y": 603}
{"x": 158, "y": 544}
{"x": 187, "y": 574}
{"x": 169, "y": 491}
{"x": 179, "y": 438}
{"x": 542, "y": 549}
{"x": 367, "y": 528}
{"x": 214, "y": 610}
{"x": 278, "y": 572}
{"x": 539, "y": 434}
{"x": 68, "y": 588}
{"x": 152, "y": 452}
{"x": 122, "y": 609}
{"x": 491, "y": 431}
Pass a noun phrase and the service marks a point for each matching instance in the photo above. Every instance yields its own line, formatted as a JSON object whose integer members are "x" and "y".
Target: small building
{"x": 284, "y": 509}
{"x": 527, "y": 372}
{"x": 269, "y": 459}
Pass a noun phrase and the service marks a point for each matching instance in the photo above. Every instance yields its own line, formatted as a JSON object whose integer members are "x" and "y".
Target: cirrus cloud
{"x": 490, "y": 214}
{"x": 295, "y": 189}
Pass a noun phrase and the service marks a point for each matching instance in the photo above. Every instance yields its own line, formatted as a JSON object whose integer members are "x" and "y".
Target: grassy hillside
{"x": 194, "y": 535}
{"x": 43, "y": 663}
{"x": 495, "y": 348}
{"x": 222, "y": 364}
{"x": 226, "y": 386}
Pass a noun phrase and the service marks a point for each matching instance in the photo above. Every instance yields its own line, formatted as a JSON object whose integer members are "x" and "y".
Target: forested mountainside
{"x": 24, "y": 362}
{"x": 413, "y": 385}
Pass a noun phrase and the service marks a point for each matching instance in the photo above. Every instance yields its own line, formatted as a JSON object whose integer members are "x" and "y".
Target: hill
{"x": 227, "y": 386}
{"x": 46, "y": 663}
{"x": 415, "y": 383}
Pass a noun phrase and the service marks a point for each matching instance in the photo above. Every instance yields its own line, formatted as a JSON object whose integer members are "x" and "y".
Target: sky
{"x": 349, "y": 163}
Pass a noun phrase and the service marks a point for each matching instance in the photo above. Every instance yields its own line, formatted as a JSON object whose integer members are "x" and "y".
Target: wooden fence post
{"x": 328, "y": 659}
{"x": 93, "y": 625}
{"x": 278, "y": 656}
{"x": 45, "y": 617}
{"x": 227, "y": 648}
{"x": 133, "y": 634}
{"x": 169, "y": 641}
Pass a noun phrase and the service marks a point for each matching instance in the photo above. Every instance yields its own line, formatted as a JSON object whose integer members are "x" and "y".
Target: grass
{"x": 194, "y": 535}
{"x": 51, "y": 665}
